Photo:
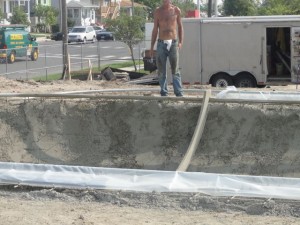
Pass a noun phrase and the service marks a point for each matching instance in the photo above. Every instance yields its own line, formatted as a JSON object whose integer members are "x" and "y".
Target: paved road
{"x": 50, "y": 58}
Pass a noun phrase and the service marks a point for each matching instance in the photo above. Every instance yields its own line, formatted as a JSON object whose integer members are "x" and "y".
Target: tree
{"x": 240, "y": 7}
{"x": 19, "y": 16}
{"x": 1, "y": 15}
{"x": 129, "y": 30}
{"x": 47, "y": 15}
{"x": 151, "y": 6}
{"x": 185, "y": 6}
{"x": 279, "y": 7}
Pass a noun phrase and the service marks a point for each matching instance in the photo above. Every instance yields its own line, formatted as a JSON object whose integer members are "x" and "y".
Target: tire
{"x": 245, "y": 80}
{"x": 221, "y": 80}
{"x": 12, "y": 57}
{"x": 34, "y": 55}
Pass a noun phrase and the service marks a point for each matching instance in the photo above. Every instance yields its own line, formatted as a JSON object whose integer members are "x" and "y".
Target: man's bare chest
{"x": 168, "y": 16}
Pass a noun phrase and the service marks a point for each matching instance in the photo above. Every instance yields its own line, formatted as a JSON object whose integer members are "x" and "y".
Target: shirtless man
{"x": 167, "y": 23}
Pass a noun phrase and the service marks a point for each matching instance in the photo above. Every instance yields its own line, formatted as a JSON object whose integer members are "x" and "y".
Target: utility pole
{"x": 209, "y": 8}
{"x": 65, "y": 36}
{"x": 132, "y": 7}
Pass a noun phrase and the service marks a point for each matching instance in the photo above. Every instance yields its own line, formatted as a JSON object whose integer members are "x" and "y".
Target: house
{"x": 111, "y": 8}
{"x": 80, "y": 12}
{"x": 89, "y": 12}
{"x": 7, "y": 7}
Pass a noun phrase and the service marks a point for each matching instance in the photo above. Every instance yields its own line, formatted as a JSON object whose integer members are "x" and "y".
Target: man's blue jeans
{"x": 162, "y": 54}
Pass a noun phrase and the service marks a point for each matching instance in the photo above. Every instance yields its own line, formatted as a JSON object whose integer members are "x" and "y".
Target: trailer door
{"x": 295, "y": 54}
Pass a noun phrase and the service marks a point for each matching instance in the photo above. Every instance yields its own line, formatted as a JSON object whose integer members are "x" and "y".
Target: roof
{"x": 247, "y": 19}
{"x": 81, "y": 4}
{"x": 128, "y": 4}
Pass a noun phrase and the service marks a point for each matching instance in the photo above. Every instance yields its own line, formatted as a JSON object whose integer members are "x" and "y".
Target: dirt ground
{"x": 28, "y": 205}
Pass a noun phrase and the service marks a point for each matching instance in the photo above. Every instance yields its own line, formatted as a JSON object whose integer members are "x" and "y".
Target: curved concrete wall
{"x": 256, "y": 139}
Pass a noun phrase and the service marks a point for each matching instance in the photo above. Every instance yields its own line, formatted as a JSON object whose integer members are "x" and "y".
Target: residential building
{"x": 89, "y": 12}
{"x": 80, "y": 12}
{"x": 7, "y": 7}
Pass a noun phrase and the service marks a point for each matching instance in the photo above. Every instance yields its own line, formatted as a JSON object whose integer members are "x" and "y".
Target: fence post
{"x": 26, "y": 63}
{"x": 98, "y": 53}
{"x": 69, "y": 67}
{"x": 46, "y": 63}
{"x": 90, "y": 76}
{"x": 81, "y": 57}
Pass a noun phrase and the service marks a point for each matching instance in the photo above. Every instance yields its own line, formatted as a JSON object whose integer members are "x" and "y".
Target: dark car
{"x": 105, "y": 35}
{"x": 58, "y": 36}
{"x": 98, "y": 29}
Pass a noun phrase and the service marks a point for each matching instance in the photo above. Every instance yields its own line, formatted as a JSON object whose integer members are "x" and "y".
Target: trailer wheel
{"x": 34, "y": 55}
{"x": 221, "y": 80}
{"x": 12, "y": 57}
{"x": 244, "y": 80}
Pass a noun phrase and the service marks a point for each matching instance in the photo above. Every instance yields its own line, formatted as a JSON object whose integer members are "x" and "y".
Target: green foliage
{"x": 151, "y": 6}
{"x": 128, "y": 30}
{"x": 240, "y": 7}
{"x": 279, "y": 7}
{"x": 1, "y": 14}
{"x": 47, "y": 14}
{"x": 70, "y": 22}
{"x": 185, "y": 6}
{"x": 257, "y": 7}
{"x": 19, "y": 16}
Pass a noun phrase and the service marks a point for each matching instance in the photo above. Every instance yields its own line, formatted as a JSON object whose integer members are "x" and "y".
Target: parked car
{"x": 58, "y": 36}
{"x": 105, "y": 35}
{"x": 98, "y": 29}
{"x": 82, "y": 34}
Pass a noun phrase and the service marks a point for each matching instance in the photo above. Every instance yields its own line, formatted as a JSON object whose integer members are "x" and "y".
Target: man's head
{"x": 166, "y": 2}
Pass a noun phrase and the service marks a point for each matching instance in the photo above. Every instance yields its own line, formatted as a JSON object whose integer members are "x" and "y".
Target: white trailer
{"x": 240, "y": 51}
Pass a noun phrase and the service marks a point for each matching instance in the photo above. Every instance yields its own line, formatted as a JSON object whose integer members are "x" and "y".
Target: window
{"x": 70, "y": 13}
{"x": 76, "y": 13}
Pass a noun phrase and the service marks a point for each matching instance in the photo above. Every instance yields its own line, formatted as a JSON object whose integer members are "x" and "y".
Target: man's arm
{"x": 180, "y": 28}
{"x": 154, "y": 32}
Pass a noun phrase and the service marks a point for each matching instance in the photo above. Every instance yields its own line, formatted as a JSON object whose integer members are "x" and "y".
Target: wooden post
{"x": 69, "y": 68}
{"x": 90, "y": 76}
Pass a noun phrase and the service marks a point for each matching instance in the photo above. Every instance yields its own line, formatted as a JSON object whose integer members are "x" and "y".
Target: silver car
{"x": 82, "y": 34}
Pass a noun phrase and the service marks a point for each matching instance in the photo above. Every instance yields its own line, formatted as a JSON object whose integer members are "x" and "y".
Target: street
{"x": 50, "y": 58}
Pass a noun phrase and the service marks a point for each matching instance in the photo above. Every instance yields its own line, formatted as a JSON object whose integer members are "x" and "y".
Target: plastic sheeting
{"x": 232, "y": 93}
{"x": 43, "y": 175}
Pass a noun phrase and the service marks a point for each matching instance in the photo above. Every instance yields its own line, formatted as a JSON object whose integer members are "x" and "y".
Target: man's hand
{"x": 151, "y": 53}
{"x": 179, "y": 45}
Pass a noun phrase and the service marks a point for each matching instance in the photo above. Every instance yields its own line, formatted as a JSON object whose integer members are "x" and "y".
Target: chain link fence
{"x": 50, "y": 60}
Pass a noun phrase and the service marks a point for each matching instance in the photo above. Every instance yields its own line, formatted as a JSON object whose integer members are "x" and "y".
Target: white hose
{"x": 197, "y": 134}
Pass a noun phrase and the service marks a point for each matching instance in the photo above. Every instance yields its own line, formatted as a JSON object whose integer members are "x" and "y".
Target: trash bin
{"x": 149, "y": 64}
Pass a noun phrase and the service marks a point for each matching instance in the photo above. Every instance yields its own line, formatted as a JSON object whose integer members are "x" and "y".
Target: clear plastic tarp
{"x": 232, "y": 93}
{"x": 43, "y": 175}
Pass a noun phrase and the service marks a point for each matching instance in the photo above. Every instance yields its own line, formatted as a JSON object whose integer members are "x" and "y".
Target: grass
{"x": 82, "y": 74}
